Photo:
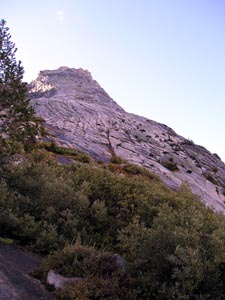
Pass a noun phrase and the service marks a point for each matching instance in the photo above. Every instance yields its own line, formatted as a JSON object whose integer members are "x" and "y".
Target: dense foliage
{"x": 171, "y": 244}
{"x": 17, "y": 120}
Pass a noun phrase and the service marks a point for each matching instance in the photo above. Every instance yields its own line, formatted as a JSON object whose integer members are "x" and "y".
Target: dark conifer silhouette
{"x": 17, "y": 119}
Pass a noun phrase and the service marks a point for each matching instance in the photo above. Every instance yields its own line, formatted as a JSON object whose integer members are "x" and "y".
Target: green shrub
{"x": 137, "y": 170}
{"x": 169, "y": 258}
{"x": 101, "y": 277}
{"x": 71, "y": 152}
{"x": 170, "y": 165}
{"x": 91, "y": 288}
{"x": 172, "y": 244}
{"x": 6, "y": 241}
{"x": 210, "y": 177}
{"x": 116, "y": 160}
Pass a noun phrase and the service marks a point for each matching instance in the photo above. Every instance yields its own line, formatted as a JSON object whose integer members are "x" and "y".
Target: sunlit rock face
{"x": 79, "y": 113}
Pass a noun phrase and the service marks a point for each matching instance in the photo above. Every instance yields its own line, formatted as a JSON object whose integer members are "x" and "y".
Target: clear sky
{"x": 162, "y": 59}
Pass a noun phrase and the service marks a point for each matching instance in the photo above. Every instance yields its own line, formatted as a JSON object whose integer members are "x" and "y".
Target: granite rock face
{"x": 79, "y": 113}
{"x": 15, "y": 281}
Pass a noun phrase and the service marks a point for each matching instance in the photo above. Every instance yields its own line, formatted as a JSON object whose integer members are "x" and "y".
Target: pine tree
{"x": 17, "y": 119}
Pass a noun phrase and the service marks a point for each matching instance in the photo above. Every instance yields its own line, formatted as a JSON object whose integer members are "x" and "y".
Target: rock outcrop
{"x": 15, "y": 281}
{"x": 79, "y": 113}
{"x": 59, "y": 281}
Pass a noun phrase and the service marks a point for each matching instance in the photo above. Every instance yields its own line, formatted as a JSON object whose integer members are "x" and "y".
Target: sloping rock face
{"x": 15, "y": 282}
{"x": 79, "y": 113}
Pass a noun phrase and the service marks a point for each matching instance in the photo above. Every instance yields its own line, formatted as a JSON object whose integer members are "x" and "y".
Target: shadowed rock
{"x": 15, "y": 281}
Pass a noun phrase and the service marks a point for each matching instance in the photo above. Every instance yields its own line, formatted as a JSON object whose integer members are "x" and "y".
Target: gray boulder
{"x": 59, "y": 281}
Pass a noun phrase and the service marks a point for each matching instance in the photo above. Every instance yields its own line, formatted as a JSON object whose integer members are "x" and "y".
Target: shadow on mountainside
{"x": 15, "y": 281}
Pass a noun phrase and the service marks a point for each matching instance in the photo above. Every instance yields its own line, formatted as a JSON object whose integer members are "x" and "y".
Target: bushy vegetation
{"x": 98, "y": 273}
{"x": 170, "y": 164}
{"x": 172, "y": 245}
{"x": 70, "y": 152}
{"x": 17, "y": 119}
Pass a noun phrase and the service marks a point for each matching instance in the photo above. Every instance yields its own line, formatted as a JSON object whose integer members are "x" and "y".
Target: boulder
{"x": 59, "y": 281}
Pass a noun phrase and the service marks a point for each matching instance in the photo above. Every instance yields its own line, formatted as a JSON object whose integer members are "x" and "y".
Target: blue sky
{"x": 163, "y": 59}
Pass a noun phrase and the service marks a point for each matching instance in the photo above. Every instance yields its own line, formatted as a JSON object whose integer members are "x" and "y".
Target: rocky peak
{"x": 79, "y": 113}
{"x": 73, "y": 83}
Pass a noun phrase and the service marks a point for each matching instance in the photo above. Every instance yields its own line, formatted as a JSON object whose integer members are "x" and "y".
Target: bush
{"x": 210, "y": 177}
{"x": 116, "y": 160}
{"x": 92, "y": 288}
{"x": 6, "y": 241}
{"x": 169, "y": 258}
{"x": 137, "y": 170}
{"x": 172, "y": 244}
{"x": 170, "y": 165}
{"x": 71, "y": 152}
{"x": 101, "y": 277}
